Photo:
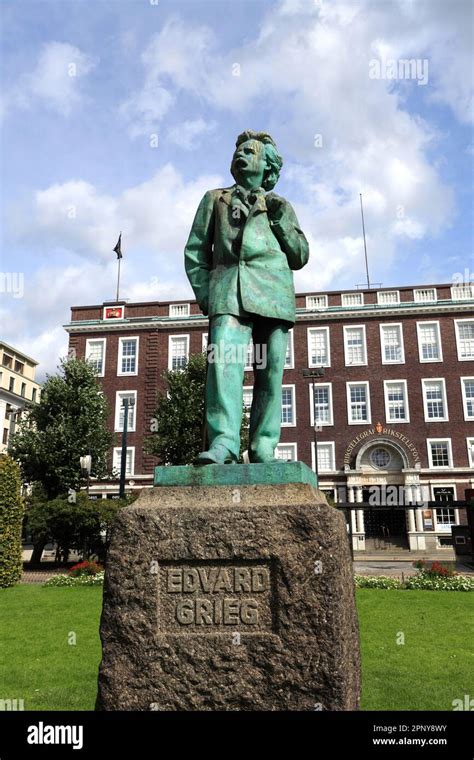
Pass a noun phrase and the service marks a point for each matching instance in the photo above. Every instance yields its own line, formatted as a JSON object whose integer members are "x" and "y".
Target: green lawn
{"x": 433, "y": 667}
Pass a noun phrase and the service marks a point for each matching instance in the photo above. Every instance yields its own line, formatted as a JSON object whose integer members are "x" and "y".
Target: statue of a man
{"x": 242, "y": 248}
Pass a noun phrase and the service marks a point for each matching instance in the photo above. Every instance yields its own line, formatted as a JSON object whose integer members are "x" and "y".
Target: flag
{"x": 118, "y": 248}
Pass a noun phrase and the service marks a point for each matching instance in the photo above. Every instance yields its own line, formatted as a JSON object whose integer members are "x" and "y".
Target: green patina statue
{"x": 242, "y": 248}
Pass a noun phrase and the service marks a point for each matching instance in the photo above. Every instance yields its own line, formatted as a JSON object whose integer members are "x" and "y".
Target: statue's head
{"x": 256, "y": 152}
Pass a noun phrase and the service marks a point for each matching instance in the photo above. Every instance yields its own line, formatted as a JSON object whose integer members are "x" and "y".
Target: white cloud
{"x": 55, "y": 80}
{"x": 186, "y": 134}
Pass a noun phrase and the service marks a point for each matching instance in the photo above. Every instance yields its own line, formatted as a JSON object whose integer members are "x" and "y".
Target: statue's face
{"x": 249, "y": 161}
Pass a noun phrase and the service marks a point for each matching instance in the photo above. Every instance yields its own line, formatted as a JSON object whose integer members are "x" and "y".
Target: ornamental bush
{"x": 11, "y": 520}
{"x": 425, "y": 581}
{"x": 85, "y": 568}
{"x": 79, "y": 580}
{"x": 376, "y": 581}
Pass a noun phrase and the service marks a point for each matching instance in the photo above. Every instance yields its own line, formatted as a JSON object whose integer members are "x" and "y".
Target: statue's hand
{"x": 275, "y": 206}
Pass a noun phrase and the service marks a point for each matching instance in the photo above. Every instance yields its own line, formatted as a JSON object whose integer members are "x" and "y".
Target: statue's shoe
{"x": 261, "y": 458}
{"x": 215, "y": 455}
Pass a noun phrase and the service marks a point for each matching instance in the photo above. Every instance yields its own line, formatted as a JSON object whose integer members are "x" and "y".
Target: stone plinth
{"x": 229, "y": 597}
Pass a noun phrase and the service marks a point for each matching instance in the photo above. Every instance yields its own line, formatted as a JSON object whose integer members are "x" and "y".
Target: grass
{"x": 433, "y": 667}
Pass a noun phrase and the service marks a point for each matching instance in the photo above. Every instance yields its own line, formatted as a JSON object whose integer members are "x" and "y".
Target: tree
{"x": 70, "y": 420}
{"x": 11, "y": 520}
{"x": 178, "y": 422}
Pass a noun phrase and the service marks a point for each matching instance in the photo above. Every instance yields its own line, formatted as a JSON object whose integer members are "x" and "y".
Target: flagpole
{"x": 118, "y": 279}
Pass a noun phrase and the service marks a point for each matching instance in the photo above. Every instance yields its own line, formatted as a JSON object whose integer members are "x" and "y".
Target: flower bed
{"x": 423, "y": 581}
{"x": 78, "y": 580}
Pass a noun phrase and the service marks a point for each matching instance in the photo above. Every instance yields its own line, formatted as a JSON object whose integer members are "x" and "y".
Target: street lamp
{"x": 86, "y": 466}
{"x": 127, "y": 402}
{"x": 313, "y": 374}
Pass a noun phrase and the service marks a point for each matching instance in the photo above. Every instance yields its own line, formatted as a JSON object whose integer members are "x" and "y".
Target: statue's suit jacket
{"x": 240, "y": 262}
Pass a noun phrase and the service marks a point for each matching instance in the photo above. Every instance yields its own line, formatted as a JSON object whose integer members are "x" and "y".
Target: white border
{"x": 420, "y": 300}
{"x": 368, "y": 421}
{"x": 170, "y": 339}
{"x": 118, "y": 405}
{"x": 292, "y": 386}
{"x": 295, "y": 449}
{"x": 382, "y": 342}
{"x": 316, "y": 308}
{"x": 118, "y": 449}
{"x": 176, "y": 305}
{"x": 291, "y": 345}
{"x": 407, "y": 408}
{"x": 104, "y": 342}
{"x": 352, "y": 305}
{"x": 450, "y": 454}
{"x": 310, "y": 330}
{"x": 119, "y": 358}
{"x": 333, "y": 449}
{"x": 311, "y": 405}
{"x": 464, "y": 398}
{"x": 387, "y": 303}
{"x": 420, "y": 352}
{"x": 425, "y": 402}
{"x": 461, "y": 358}
{"x": 355, "y": 327}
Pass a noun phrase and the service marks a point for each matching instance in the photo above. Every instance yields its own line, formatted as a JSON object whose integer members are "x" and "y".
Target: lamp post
{"x": 313, "y": 374}
{"x": 86, "y": 466}
{"x": 126, "y": 403}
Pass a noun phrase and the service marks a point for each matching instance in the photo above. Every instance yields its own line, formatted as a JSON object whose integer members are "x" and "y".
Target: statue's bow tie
{"x": 249, "y": 197}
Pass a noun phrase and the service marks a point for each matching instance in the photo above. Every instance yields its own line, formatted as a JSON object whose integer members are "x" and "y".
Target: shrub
{"x": 79, "y": 580}
{"x": 85, "y": 568}
{"x": 426, "y": 581}
{"x": 434, "y": 569}
{"x": 376, "y": 581}
{"x": 11, "y": 520}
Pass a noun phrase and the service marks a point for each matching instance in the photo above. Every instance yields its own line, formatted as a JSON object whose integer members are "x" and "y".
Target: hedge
{"x": 12, "y": 510}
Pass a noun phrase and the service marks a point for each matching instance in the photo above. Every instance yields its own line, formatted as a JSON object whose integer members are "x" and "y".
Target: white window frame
{"x": 458, "y": 347}
{"x": 364, "y": 342}
{"x": 104, "y": 343}
{"x": 115, "y": 460}
{"x": 467, "y": 290}
{"x": 249, "y": 367}
{"x": 386, "y": 383}
{"x": 419, "y": 325}
{"x": 332, "y": 445}
{"x": 119, "y": 360}
{"x": 170, "y": 342}
{"x": 470, "y": 451}
{"x": 418, "y": 298}
{"x": 316, "y": 308}
{"x": 399, "y": 325}
{"x": 293, "y": 445}
{"x": 368, "y": 421}
{"x": 177, "y": 306}
{"x": 429, "y": 441}
{"x": 118, "y": 404}
{"x": 285, "y": 386}
{"x": 291, "y": 346}
{"x": 467, "y": 418}
{"x": 247, "y": 388}
{"x": 204, "y": 341}
{"x": 387, "y": 292}
{"x": 344, "y": 296}
{"x": 311, "y": 404}
{"x": 441, "y": 380}
{"x": 311, "y": 330}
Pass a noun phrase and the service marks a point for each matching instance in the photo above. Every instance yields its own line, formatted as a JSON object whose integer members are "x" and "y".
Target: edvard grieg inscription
{"x": 210, "y": 597}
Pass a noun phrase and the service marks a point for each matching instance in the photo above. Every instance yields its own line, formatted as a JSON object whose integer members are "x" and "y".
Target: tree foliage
{"x": 70, "y": 420}
{"x": 11, "y": 520}
{"x": 177, "y": 427}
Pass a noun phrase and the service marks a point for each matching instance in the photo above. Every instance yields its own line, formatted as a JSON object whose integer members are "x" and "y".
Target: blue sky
{"x": 119, "y": 116}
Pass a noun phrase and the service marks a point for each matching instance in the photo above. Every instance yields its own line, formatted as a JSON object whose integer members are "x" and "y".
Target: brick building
{"x": 394, "y": 409}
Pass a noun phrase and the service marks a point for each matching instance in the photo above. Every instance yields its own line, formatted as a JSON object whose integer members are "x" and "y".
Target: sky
{"x": 118, "y": 115}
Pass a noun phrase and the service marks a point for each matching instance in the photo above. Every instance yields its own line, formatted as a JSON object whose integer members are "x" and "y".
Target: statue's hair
{"x": 274, "y": 160}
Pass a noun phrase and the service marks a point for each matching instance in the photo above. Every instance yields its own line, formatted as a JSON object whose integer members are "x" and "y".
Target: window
{"x": 429, "y": 342}
{"x": 130, "y": 460}
{"x": 247, "y": 398}
{"x": 326, "y": 456}
{"x": 7, "y": 361}
{"x": 5, "y": 436}
{"x": 352, "y": 299}
{"x": 465, "y": 339}
{"x": 380, "y": 458}
{"x": 289, "y": 357}
{"x": 439, "y": 452}
{"x": 179, "y": 310}
{"x": 445, "y": 517}
{"x": 23, "y": 389}
{"x": 425, "y": 295}
{"x": 434, "y": 400}
{"x": 316, "y": 302}
{"x": 33, "y": 394}
{"x": 396, "y": 401}
{"x": 286, "y": 452}
{"x": 358, "y": 403}
{"x": 321, "y": 406}
{"x": 128, "y": 356}
{"x": 120, "y": 396}
{"x": 204, "y": 341}
{"x": 19, "y": 367}
{"x": 178, "y": 351}
{"x": 388, "y": 296}
{"x": 11, "y": 385}
{"x": 288, "y": 414}
{"x": 462, "y": 292}
{"x": 318, "y": 347}
{"x": 355, "y": 351}
{"x": 249, "y": 358}
{"x": 470, "y": 451}
{"x": 467, "y": 388}
{"x": 444, "y": 494}
{"x": 391, "y": 341}
{"x": 95, "y": 354}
